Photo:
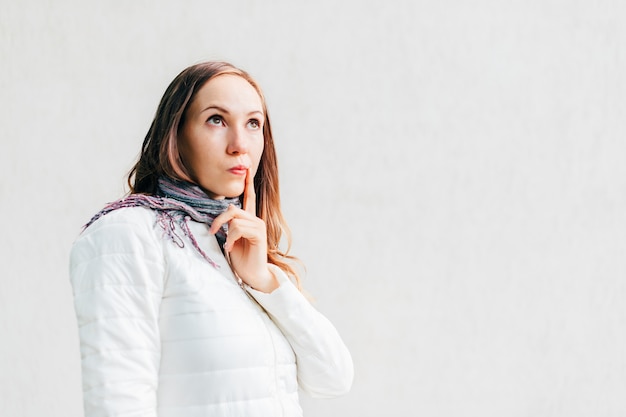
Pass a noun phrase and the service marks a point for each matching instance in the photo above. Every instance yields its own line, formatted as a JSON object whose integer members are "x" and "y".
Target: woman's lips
{"x": 238, "y": 170}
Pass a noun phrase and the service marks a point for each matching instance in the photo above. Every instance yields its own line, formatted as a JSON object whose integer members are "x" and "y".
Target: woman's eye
{"x": 215, "y": 120}
{"x": 254, "y": 124}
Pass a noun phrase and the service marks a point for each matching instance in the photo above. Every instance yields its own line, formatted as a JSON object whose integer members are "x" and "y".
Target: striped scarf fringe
{"x": 176, "y": 203}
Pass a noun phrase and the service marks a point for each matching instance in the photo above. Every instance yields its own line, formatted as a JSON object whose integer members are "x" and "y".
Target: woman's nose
{"x": 237, "y": 142}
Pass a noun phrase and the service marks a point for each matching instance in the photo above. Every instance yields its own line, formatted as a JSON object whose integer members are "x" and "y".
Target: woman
{"x": 184, "y": 300}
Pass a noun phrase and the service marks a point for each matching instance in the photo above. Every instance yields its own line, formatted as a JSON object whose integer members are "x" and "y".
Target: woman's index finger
{"x": 249, "y": 195}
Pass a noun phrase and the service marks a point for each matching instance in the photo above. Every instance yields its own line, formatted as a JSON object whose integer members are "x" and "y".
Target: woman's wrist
{"x": 267, "y": 282}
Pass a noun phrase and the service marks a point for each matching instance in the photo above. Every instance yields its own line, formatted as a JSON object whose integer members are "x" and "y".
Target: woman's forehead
{"x": 229, "y": 92}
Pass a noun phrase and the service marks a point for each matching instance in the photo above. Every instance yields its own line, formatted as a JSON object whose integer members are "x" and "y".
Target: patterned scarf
{"x": 175, "y": 203}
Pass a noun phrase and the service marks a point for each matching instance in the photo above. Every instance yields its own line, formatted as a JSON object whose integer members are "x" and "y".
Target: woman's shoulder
{"x": 120, "y": 247}
{"x": 131, "y": 216}
{"x": 129, "y": 229}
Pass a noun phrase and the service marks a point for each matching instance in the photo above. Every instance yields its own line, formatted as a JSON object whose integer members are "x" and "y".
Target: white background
{"x": 453, "y": 172}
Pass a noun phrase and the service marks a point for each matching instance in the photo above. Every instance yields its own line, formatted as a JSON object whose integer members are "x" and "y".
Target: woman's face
{"x": 222, "y": 135}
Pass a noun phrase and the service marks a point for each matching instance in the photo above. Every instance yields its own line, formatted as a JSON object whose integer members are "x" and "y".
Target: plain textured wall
{"x": 453, "y": 172}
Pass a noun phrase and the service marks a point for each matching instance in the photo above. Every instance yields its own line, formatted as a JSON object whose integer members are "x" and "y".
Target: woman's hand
{"x": 246, "y": 243}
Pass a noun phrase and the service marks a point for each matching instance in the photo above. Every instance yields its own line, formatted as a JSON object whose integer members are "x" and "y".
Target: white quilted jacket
{"x": 164, "y": 333}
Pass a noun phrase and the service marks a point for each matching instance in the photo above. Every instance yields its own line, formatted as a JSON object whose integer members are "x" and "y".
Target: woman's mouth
{"x": 238, "y": 170}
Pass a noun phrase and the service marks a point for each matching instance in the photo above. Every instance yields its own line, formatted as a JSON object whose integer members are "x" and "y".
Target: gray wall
{"x": 453, "y": 172}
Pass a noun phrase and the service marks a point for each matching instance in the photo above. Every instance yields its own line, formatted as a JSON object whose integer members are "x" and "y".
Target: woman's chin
{"x": 232, "y": 193}
{"x": 226, "y": 192}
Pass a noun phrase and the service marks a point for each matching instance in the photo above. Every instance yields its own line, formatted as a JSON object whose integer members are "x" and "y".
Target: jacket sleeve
{"x": 116, "y": 271}
{"x": 324, "y": 363}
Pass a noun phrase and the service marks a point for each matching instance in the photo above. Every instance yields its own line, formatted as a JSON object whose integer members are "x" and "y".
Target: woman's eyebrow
{"x": 223, "y": 110}
{"x": 213, "y": 107}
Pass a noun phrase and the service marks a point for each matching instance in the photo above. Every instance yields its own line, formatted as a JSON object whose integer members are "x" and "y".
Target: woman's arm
{"x": 324, "y": 363}
{"x": 116, "y": 270}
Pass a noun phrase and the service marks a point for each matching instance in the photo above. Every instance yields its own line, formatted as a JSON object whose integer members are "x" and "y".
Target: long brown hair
{"x": 159, "y": 155}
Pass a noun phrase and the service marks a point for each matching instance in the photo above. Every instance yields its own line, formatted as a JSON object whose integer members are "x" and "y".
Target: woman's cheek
{"x": 257, "y": 160}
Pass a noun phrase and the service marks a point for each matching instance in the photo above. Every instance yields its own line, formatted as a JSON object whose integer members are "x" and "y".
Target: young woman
{"x": 186, "y": 305}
